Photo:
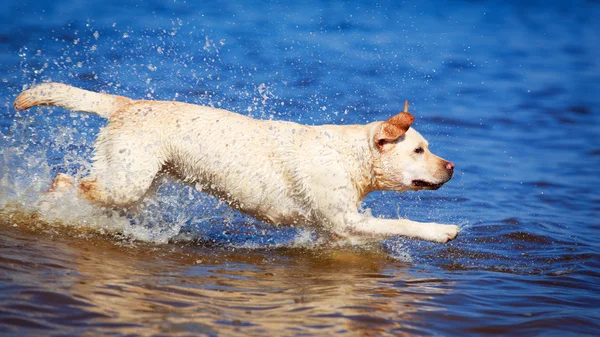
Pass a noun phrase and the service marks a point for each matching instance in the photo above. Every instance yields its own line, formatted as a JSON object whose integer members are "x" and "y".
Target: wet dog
{"x": 277, "y": 172}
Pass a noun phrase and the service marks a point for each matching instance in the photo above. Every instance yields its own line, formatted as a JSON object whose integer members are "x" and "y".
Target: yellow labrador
{"x": 277, "y": 172}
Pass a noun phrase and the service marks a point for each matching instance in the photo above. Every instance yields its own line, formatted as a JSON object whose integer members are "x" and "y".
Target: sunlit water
{"x": 508, "y": 92}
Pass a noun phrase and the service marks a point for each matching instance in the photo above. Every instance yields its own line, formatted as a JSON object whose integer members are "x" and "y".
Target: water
{"x": 507, "y": 91}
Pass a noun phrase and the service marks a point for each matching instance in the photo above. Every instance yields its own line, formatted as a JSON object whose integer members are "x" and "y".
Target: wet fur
{"x": 278, "y": 172}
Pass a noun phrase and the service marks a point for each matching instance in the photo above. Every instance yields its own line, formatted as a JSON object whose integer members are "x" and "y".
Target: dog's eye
{"x": 419, "y": 150}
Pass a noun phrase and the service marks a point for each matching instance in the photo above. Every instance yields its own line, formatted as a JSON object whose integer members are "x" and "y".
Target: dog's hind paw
{"x": 61, "y": 183}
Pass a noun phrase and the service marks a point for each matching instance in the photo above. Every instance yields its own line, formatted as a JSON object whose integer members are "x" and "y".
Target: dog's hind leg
{"x": 124, "y": 168}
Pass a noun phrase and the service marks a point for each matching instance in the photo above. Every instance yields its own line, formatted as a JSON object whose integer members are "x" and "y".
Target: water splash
{"x": 45, "y": 141}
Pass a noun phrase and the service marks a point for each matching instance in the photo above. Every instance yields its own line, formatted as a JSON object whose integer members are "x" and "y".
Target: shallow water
{"x": 506, "y": 91}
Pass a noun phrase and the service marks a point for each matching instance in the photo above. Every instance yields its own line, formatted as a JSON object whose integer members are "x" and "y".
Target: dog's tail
{"x": 71, "y": 98}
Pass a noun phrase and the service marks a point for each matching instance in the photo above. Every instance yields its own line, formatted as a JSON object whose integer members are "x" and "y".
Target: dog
{"x": 278, "y": 172}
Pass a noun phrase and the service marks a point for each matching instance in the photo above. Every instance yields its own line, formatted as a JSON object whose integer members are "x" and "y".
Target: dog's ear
{"x": 393, "y": 128}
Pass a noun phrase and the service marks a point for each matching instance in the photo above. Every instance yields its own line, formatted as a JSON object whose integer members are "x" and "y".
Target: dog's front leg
{"x": 336, "y": 201}
{"x": 387, "y": 227}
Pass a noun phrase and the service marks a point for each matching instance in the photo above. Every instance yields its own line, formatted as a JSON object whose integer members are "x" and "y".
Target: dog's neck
{"x": 357, "y": 141}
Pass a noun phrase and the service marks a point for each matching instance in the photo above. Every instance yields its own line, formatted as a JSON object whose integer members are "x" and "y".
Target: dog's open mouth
{"x": 426, "y": 185}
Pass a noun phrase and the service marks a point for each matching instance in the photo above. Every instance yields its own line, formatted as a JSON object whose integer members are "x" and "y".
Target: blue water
{"x": 507, "y": 91}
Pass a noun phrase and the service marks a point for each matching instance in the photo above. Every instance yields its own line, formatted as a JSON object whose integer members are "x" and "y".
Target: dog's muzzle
{"x": 427, "y": 185}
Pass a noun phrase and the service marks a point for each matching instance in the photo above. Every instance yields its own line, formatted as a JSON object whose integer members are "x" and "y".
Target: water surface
{"x": 507, "y": 91}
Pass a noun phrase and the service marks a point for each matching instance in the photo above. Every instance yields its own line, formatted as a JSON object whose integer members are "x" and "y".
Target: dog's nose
{"x": 449, "y": 166}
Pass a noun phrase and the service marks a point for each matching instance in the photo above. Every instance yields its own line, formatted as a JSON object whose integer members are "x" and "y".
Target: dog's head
{"x": 402, "y": 160}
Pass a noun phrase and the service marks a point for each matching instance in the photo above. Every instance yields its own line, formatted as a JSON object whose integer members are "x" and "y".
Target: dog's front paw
{"x": 440, "y": 233}
{"x": 448, "y": 232}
